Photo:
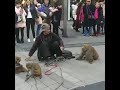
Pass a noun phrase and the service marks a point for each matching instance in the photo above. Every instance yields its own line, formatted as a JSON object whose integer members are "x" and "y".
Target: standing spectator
{"x": 103, "y": 24}
{"x": 98, "y": 16}
{"x": 31, "y": 16}
{"x": 38, "y": 20}
{"x": 74, "y": 8}
{"x": 58, "y": 4}
{"x": 80, "y": 16}
{"x": 45, "y": 12}
{"x": 20, "y": 22}
{"x": 56, "y": 16}
{"x": 89, "y": 21}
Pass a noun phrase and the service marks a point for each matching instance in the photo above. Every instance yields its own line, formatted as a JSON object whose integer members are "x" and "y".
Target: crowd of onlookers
{"x": 29, "y": 13}
{"x": 90, "y": 16}
{"x": 86, "y": 15}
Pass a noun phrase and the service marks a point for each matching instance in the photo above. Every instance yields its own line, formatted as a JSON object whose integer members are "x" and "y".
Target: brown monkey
{"x": 35, "y": 69}
{"x": 18, "y": 67}
{"x": 88, "y": 53}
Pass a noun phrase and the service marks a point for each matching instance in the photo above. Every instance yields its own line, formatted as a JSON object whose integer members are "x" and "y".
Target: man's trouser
{"x": 47, "y": 50}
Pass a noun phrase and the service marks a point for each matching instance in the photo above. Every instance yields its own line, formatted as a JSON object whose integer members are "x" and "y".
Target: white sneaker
{"x": 28, "y": 40}
{"x": 71, "y": 27}
{"x": 34, "y": 39}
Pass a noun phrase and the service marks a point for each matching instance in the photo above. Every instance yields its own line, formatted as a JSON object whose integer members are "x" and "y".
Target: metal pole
{"x": 65, "y": 17}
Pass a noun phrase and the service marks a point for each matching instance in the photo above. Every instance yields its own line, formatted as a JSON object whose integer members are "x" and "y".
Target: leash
{"x": 47, "y": 72}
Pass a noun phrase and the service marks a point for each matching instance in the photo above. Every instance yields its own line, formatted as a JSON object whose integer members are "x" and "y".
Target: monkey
{"x": 18, "y": 67}
{"x": 17, "y": 60}
{"x": 35, "y": 69}
{"x": 88, "y": 53}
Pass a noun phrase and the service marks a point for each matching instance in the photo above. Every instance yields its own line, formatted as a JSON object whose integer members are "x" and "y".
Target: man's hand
{"x": 54, "y": 10}
{"x": 62, "y": 48}
{"x": 50, "y": 14}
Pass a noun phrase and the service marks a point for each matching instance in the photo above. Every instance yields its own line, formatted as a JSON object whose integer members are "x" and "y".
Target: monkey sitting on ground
{"x": 88, "y": 53}
{"x": 18, "y": 67}
{"x": 35, "y": 69}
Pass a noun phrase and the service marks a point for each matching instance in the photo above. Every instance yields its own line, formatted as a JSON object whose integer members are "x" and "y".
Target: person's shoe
{"x": 34, "y": 39}
{"x": 71, "y": 27}
{"x": 96, "y": 35}
{"x": 40, "y": 59}
{"x": 18, "y": 41}
{"x": 77, "y": 31}
{"x": 102, "y": 33}
{"x": 28, "y": 40}
{"x": 22, "y": 41}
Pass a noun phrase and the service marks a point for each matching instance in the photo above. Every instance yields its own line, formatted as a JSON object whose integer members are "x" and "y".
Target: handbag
{"x": 90, "y": 16}
{"x": 67, "y": 54}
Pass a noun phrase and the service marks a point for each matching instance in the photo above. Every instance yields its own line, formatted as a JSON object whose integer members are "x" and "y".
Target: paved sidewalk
{"x": 75, "y": 73}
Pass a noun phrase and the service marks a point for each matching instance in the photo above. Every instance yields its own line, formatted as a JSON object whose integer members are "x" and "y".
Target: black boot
{"x": 77, "y": 31}
{"x": 18, "y": 41}
{"x": 22, "y": 41}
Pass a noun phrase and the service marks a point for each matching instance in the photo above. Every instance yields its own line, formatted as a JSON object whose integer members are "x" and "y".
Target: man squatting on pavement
{"x": 48, "y": 44}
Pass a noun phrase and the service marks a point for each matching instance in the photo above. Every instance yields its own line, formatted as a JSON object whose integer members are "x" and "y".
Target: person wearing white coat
{"x": 21, "y": 22}
{"x": 74, "y": 9}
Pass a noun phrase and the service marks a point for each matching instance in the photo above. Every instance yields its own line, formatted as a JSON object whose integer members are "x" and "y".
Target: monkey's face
{"x": 17, "y": 59}
{"x": 85, "y": 47}
{"x": 29, "y": 66}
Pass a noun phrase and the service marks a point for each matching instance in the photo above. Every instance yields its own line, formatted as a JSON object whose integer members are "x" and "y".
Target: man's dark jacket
{"x": 52, "y": 37}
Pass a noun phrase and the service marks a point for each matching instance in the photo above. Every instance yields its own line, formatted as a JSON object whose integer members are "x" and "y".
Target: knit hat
{"x": 45, "y": 26}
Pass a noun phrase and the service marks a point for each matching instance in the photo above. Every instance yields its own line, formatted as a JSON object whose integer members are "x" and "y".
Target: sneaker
{"x": 28, "y": 40}
{"x": 34, "y": 39}
{"x": 71, "y": 27}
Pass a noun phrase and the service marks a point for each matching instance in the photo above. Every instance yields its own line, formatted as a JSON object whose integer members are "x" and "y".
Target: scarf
{"x": 96, "y": 14}
{"x": 81, "y": 16}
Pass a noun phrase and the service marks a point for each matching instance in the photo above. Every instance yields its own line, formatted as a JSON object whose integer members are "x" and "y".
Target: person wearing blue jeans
{"x": 87, "y": 31}
{"x": 38, "y": 29}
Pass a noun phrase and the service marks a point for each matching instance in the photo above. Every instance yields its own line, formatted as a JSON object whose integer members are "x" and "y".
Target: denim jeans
{"x": 38, "y": 29}
{"x": 87, "y": 31}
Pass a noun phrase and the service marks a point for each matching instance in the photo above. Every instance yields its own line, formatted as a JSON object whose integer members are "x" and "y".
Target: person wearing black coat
{"x": 56, "y": 17}
{"x": 89, "y": 21}
{"x": 30, "y": 18}
{"x": 48, "y": 44}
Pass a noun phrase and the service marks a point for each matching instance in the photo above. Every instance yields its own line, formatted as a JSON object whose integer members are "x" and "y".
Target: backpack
{"x": 67, "y": 54}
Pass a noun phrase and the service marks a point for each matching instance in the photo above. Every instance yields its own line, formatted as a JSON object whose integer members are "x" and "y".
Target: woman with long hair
{"x": 30, "y": 18}
{"x": 80, "y": 16}
{"x": 56, "y": 15}
{"x": 21, "y": 21}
